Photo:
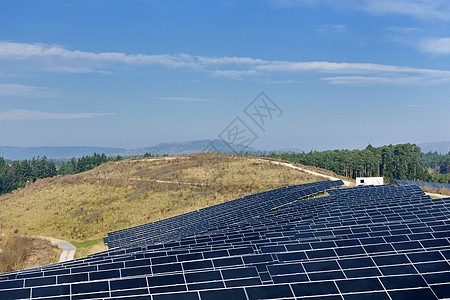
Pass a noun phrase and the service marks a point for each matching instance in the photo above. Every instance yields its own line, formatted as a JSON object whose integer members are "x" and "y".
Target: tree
{"x": 402, "y": 161}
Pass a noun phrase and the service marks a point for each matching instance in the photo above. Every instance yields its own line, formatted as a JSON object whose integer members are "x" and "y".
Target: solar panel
{"x": 368, "y": 242}
{"x": 432, "y": 185}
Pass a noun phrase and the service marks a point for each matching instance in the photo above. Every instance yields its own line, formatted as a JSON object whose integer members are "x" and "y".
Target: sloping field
{"x": 83, "y": 208}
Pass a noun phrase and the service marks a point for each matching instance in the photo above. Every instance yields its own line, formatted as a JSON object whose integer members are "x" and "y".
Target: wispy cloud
{"x": 237, "y": 74}
{"x": 421, "y": 9}
{"x": 14, "y": 89}
{"x": 420, "y": 40}
{"x": 57, "y": 58}
{"x": 407, "y": 36}
{"x": 436, "y": 45}
{"x": 403, "y": 30}
{"x": 387, "y": 80}
{"x": 362, "y": 73}
{"x": 25, "y": 115}
{"x": 186, "y": 99}
{"x": 47, "y": 58}
{"x": 331, "y": 29}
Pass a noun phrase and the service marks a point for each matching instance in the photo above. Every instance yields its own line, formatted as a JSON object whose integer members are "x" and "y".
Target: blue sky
{"x": 137, "y": 73}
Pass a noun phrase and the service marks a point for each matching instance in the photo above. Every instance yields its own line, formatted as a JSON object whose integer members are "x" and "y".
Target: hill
{"x": 83, "y": 208}
{"x": 190, "y": 147}
{"x": 21, "y": 153}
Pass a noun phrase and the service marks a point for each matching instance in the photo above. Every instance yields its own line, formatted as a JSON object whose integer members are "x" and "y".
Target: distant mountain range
{"x": 290, "y": 150}
{"x": 439, "y": 147}
{"x": 190, "y": 147}
{"x": 176, "y": 148}
{"x": 20, "y": 153}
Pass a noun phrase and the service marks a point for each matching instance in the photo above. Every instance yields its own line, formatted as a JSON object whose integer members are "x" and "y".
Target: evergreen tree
{"x": 402, "y": 161}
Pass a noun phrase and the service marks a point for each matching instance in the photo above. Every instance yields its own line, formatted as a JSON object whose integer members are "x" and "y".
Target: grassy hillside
{"x": 22, "y": 252}
{"x": 83, "y": 208}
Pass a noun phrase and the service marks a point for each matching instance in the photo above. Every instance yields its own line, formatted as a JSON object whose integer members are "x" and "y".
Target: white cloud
{"x": 421, "y": 9}
{"x": 383, "y": 80}
{"x": 186, "y": 99}
{"x": 436, "y": 45}
{"x": 14, "y": 89}
{"x": 229, "y": 61}
{"x": 235, "y": 74}
{"x": 57, "y": 58}
{"x": 347, "y": 68}
{"x": 38, "y": 57}
{"x": 332, "y": 29}
{"x": 25, "y": 115}
{"x": 403, "y": 30}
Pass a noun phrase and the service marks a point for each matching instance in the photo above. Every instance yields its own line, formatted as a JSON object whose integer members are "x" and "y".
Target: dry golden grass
{"x": 443, "y": 192}
{"x": 21, "y": 252}
{"x": 116, "y": 195}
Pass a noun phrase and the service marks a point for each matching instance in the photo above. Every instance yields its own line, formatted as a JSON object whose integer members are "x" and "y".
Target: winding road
{"x": 68, "y": 250}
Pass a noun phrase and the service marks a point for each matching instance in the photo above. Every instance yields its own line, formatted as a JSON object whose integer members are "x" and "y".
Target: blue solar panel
{"x": 432, "y": 185}
{"x": 371, "y": 242}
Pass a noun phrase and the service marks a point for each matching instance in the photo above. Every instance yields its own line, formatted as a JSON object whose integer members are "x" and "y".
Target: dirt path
{"x": 151, "y": 180}
{"x": 152, "y": 159}
{"x": 68, "y": 250}
{"x": 437, "y": 195}
{"x": 289, "y": 165}
{"x": 346, "y": 183}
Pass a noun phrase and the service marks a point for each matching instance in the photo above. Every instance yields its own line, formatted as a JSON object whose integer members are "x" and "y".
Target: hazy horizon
{"x": 132, "y": 74}
{"x": 299, "y": 149}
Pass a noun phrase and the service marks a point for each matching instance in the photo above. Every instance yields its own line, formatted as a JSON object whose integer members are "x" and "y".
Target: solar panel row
{"x": 214, "y": 216}
{"x": 368, "y": 242}
{"x": 432, "y": 185}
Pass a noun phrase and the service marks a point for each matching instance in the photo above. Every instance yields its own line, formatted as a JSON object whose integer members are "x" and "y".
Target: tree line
{"x": 85, "y": 163}
{"x": 402, "y": 161}
{"x": 439, "y": 163}
{"x": 16, "y": 174}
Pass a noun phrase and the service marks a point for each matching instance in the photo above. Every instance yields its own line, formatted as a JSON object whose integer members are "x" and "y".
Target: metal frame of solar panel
{"x": 377, "y": 242}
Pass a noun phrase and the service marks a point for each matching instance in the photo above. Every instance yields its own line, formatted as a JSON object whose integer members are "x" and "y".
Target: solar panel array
{"x": 432, "y": 185}
{"x": 368, "y": 242}
{"x": 215, "y": 216}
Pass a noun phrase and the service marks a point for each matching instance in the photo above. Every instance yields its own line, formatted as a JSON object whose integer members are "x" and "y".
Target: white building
{"x": 369, "y": 181}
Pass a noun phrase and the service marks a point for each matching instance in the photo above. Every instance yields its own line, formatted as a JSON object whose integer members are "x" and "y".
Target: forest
{"x": 402, "y": 161}
{"x": 436, "y": 162}
{"x": 16, "y": 174}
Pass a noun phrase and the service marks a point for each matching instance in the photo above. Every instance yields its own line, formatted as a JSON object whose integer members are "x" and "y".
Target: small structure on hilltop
{"x": 369, "y": 181}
